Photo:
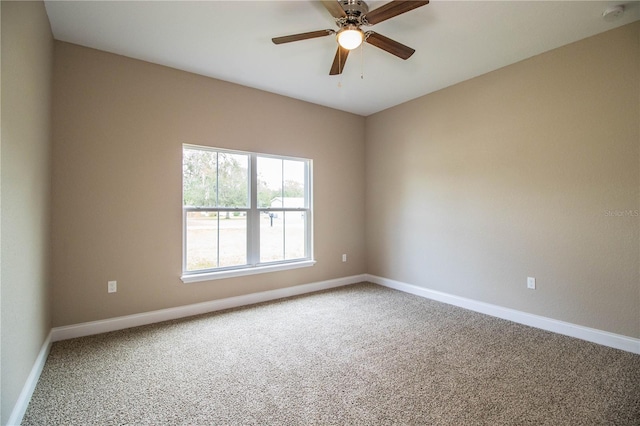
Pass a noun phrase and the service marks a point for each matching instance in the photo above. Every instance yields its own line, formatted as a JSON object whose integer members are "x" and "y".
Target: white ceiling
{"x": 231, "y": 41}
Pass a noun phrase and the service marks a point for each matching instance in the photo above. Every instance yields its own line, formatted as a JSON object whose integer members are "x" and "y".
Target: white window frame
{"x": 253, "y": 266}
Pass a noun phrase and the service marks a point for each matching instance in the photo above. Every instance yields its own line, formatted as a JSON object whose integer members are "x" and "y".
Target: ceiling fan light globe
{"x": 350, "y": 38}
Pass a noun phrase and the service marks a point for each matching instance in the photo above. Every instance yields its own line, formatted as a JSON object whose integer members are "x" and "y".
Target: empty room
{"x": 320, "y": 212}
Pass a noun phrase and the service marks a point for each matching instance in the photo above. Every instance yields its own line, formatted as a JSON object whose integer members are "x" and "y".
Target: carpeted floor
{"x": 360, "y": 355}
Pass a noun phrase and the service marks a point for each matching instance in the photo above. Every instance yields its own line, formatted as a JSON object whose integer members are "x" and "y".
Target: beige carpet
{"x": 361, "y": 355}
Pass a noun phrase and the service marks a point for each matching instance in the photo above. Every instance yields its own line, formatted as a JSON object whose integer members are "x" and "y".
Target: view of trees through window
{"x": 215, "y": 179}
{"x": 219, "y": 210}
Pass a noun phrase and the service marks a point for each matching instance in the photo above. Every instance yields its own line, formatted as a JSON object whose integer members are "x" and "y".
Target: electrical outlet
{"x": 112, "y": 286}
{"x": 531, "y": 283}
{"x": 344, "y": 257}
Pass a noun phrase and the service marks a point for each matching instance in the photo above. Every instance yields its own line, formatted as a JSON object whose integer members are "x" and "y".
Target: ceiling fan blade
{"x": 301, "y": 36}
{"x": 391, "y": 46}
{"x": 334, "y": 8}
{"x": 339, "y": 61}
{"x": 391, "y": 9}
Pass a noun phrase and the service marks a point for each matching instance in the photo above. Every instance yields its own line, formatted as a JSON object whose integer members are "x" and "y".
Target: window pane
{"x": 216, "y": 240}
{"x": 233, "y": 180}
{"x": 202, "y": 241}
{"x": 233, "y": 239}
{"x": 199, "y": 170}
{"x": 294, "y": 235}
{"x": 271, "y": 236}
{"x": 215, "y": 179}
{"x": 269, "y": 172}
{"x": 282, "y": 236}
{"x": 294, "y": 183}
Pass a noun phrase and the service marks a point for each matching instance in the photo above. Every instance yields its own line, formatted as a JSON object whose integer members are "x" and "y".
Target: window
{"x": 244, "y": 213}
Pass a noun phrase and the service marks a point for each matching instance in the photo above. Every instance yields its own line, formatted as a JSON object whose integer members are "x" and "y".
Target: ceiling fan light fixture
{"x": 350, "y": 37}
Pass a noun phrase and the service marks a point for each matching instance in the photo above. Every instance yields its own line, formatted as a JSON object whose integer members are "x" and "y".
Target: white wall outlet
{"x": 531, "y": 283}
{"x": 112, "y": 286}
{"x": 344, "y": 257}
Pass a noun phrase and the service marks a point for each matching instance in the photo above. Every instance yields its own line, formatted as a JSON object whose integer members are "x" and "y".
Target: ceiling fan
{"x": 350, "y": 16}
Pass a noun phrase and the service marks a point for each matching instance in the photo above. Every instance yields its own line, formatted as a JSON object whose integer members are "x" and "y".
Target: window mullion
{"x": 253, "y": 234}
{"x": 308, "y": 205}
{"x": 284, "y": 215}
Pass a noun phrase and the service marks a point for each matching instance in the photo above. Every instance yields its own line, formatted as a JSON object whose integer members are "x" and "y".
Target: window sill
{"x": 210, "y": 276}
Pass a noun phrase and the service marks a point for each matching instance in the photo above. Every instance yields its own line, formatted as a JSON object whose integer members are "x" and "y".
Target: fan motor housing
{"x": 354, "y": 8}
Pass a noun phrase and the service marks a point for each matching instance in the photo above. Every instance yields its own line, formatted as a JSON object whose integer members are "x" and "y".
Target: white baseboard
{"x": 30, "y": 385}
{"x": 605, "y": 338}
{"x": 135, "y": 320}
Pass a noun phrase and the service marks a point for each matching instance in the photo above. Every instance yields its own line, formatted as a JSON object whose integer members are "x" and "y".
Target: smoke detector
{"x": 613, "y": 13}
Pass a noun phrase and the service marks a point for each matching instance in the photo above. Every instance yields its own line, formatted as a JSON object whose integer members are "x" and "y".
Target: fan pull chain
{"x": 362, "y": 61}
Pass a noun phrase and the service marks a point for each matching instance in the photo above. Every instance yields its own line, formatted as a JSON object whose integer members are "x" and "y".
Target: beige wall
{"x": 473, "y": 188}
{"x": 119, "y": 125}
{"x": 27, "y": 57}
